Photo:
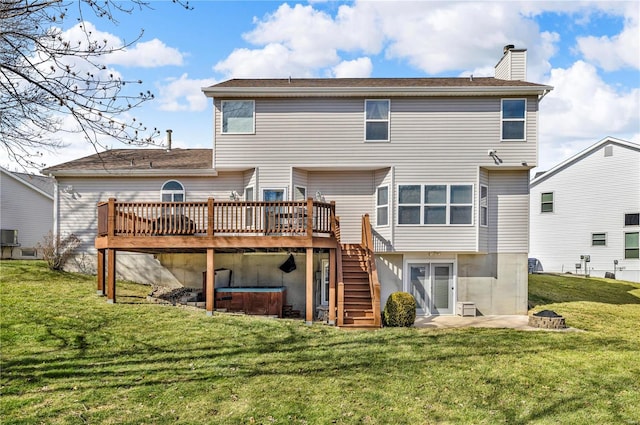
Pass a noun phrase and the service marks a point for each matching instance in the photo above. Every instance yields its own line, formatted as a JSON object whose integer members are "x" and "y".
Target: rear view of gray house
{"x": 428, "y": 175}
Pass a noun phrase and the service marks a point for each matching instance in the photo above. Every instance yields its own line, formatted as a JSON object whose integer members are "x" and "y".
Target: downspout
{"x": 56, "y": 208}
{"x": 213, "y": 147}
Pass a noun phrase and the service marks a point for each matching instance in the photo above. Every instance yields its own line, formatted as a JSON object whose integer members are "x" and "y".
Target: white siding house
{"x": 26, "y": 213}
{"x": 588, "y": 205}
{"x": 441, "y": 165}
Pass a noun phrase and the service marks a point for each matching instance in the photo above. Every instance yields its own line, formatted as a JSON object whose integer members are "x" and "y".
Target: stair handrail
{"x": 370, "y": 263}
{"x": 340, "y": 291}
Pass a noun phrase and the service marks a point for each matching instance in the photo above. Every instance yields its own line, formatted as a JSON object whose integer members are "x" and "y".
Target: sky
{"x": 588, "y": 51}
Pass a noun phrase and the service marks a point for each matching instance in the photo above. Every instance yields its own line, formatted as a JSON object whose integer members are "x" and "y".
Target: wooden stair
{"x": 358, "y": 307}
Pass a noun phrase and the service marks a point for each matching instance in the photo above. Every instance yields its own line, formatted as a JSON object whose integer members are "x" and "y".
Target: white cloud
{"x": 357, "y": 68}
{"x": 184, "y": 94}
{"x": 617, "y": 52}
{"x": 581, "y": 110}
{"x": 148, "y": 54}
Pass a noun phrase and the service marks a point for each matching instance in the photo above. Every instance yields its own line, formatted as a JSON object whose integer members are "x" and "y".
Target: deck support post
{"x": 111, "y": 276}
{"x": 101, "y": 288}
{"x": 332, "y": 286}
{"x": 309, "y": 290}
{"x": 210, "y": 284}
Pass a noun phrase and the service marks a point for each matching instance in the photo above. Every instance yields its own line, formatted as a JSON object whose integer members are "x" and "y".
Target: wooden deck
{"x": 210, "y": 226}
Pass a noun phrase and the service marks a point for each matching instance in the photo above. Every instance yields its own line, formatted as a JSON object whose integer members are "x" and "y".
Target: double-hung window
{"x": 598, "y": 239}
{"x": 382, "y": 206}
{"x": 631, "y": 245}
{"x": 632, "y": 219}
{"x": 546, "y": 202}
{"x": 435, "y": 204}
{"x": 238, "y": 116}
{"x": 513, "y": 119}
{"x": 377, "y": 120}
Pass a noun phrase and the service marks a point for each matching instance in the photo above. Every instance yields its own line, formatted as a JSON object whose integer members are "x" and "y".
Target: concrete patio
{"x": 520, "y": 322}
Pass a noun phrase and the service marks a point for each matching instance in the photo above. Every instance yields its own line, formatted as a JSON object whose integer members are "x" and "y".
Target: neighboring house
{"x": 441, "y": 165}
{"x": 26, "y": 213}
{"x": 588, "y": 207}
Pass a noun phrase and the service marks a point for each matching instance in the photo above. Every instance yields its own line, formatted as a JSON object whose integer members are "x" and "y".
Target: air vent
{"x": 608, "y": 150}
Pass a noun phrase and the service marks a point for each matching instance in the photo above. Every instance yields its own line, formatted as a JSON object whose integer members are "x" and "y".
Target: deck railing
{"x": 370, "y": 265}
{"x": 289, "y": 218}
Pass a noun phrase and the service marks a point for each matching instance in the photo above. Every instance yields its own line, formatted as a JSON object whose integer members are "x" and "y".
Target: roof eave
{"x": 209, "y": 172}
{"x": 229, "y": 92}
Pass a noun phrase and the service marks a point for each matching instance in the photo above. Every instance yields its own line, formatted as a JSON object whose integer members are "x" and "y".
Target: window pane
{"x": 547, "y": 197}
{"x": 484, "y": 216}
{"x": 598, "y": 239}
{"x": 377, "y": 109}
{"x": 460, "y": 215}
{"x": 409, "y": 194}
{"x": 178, "y": 197}
{"x": 166, "y": 197}
{"x": 513, "y": 130}
{"x": 248, "y": 194}
{"x": 172, "y": 185}
{"x": 237, "y": 116}
{"x": 632, "y": 219}
{"x": 547, "y": 208}
{"x": 435, "y": 215}
{"x": 408, "y": 215}
{"x": 377, "y": 131}
{"x": 461, "y": 195}
{"x": 382, "y": 218}
{"x": 383, "y": 195}
{"x": 631, "y": 240}
{"x": 513, "y": 108}
{"x": 435, "y": 194}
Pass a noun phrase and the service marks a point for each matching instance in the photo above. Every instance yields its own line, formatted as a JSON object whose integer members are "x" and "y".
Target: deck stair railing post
{"x": 111, "y": 228}
{"x": 370, "y": 263}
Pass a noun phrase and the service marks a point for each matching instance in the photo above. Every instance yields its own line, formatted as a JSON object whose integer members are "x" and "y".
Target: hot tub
{"x": 261, "y": 300}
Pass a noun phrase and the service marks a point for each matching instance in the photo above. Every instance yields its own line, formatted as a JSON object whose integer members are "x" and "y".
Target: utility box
{"x": 466, "y": 309}
{"x": 9, "y": 237}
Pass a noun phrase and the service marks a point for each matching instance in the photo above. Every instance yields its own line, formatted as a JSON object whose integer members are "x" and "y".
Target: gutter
{"x": 126, "y": 173}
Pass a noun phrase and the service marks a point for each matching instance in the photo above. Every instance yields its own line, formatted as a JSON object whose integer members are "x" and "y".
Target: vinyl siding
{"x": 441, "y": 133}
{"x": 26, "y": 210}
{"x": 590, "y": 196}
{"x": 353, "y": 200}
{"x": 508, "y": 202}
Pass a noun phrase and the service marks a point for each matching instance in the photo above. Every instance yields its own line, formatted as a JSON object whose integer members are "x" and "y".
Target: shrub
{"x": 400, "y": 310}
{"x": 56, "y": 250}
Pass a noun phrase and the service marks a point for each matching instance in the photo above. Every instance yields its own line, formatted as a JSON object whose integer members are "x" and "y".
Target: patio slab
{"x": 520, "y": 322}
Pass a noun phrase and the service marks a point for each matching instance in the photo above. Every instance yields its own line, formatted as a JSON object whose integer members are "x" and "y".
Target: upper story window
{"x": 382, "y": 206}
{"x": 238, "y": 116}
{"x": 546, "y": 202}
{"x": 172, "y": 191}
{"x": 377, "y": 120}
{"x": 513, "y": 119}
{"x": 632, "y": 219}
{"x": 440, "y": 204}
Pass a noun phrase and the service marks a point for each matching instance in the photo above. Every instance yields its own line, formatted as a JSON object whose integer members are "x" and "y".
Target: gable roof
{"x": 319, "y": 87}
{"x": 41, "y": 184}
{"x": 544, "y": 175}
{"x": 138, "y": 162}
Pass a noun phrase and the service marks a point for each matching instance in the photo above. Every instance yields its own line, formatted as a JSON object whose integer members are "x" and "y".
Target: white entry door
{"x": 431, "y": 284}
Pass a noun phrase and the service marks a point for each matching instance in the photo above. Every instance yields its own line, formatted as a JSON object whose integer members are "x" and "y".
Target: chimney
{"x": 169, "y": 139}
{"x": 513, "y": 64}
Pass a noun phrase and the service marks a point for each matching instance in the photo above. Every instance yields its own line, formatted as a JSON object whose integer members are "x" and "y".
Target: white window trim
{"x": 173, "y": 192}
{"x": 599, "y": 233}
{"x": 523, "y": 120}
{"x": 422, "y": 204}
{"x": 295, "y": 190}
{"x": 388, "y": 121}
{"x": 485, "y": 207}
{"x": 222, "y": 102}
{"x": 384, "y": 206}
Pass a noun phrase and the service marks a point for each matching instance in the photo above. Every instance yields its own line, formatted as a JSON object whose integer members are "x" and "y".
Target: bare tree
{"x": 51, "y": 83}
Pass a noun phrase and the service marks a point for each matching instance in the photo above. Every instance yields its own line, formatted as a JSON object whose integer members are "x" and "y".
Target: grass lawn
{"x": 68, "y": 357}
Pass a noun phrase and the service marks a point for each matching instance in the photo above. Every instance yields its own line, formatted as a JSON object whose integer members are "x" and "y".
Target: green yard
{"x": 68, "y": 357}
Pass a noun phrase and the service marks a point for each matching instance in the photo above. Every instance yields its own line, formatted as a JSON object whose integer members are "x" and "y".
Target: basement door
{"x": 432, "y": 286}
